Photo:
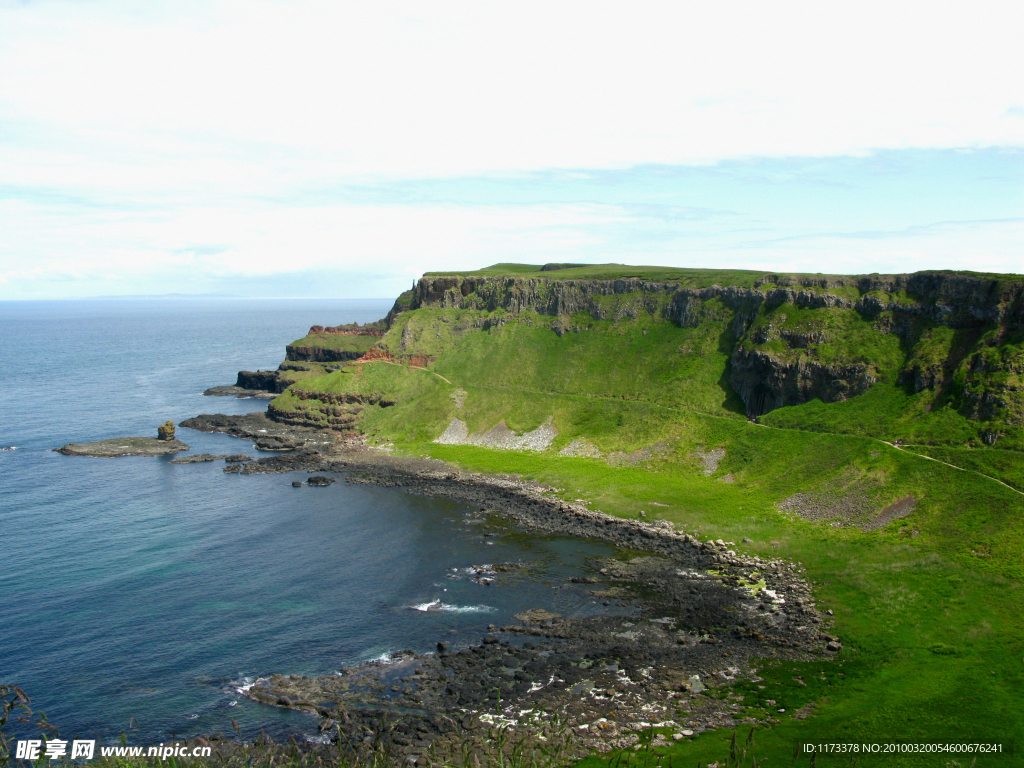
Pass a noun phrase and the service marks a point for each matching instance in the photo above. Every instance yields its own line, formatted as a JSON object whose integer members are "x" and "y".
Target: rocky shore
{"x": 124, "y": 446}
{"x": 267, "y": 435}
{"x": 200, "y": 458}
{"x": 703, "y": 613}
{"x": 241, "y": 393}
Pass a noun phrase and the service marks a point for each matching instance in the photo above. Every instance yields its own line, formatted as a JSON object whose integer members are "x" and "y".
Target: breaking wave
{"x": 437, "y": 605}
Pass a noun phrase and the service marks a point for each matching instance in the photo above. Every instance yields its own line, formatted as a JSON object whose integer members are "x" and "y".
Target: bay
{"x": 140, "y": 595}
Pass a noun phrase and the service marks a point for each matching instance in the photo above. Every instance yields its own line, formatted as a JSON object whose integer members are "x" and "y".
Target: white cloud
{"x": 414, "y": 88}
{"x": 186, "y": 139}
{"x": 398, "y": 243}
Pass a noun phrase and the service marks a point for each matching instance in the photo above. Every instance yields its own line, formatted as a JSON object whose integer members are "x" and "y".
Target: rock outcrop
{"x": 946, "y": 298}
{"x": 124, "y": 446}
{"x": 765, "y": 378}
{"x": 315, "y": 354}
{"x": 377, "y": 328}
{"x": 320, "y": 410}
{"x": 547, "y": 296}
{"x": 267, "y": 434}
{"x": 316, "y": 347}
{"x": 766, "y": 383}
{"x": 266, "y": 381}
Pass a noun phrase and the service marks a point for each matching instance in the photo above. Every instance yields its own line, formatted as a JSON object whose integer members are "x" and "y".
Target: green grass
{"x": 696, "y": 278}
{"x": 637, "y": 359}
{"x": 637, "y": 383}
{"x": 898, "y": 599}
{"x": 849, "y": 338}
{"x": 887, "y": 411}
{"x": 308, "y": 370}
{"x": 1007, "y": 466}
{"x": 928, "y": 607}
{"x": 891, "y": 409}
{"x": 337, "y": 341}
{"x": 688, "y": 277}
{"x": 421, "y": 399}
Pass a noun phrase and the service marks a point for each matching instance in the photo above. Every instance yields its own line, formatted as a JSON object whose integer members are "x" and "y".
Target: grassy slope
{"x": 336, "y": 341}
{"x": 891, "y": 409}
{"x": 848, "y": 337}
{"x": 931, "y": 621}
{"x": 895, "y": 598}
{"x": 304, "y": 371}
{"x": 1007, "y": 466}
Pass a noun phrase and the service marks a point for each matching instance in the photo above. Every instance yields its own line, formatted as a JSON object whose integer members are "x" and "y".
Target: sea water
{"x": 143, "y": 596}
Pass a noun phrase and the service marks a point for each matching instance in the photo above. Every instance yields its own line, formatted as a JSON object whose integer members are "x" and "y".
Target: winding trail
{"x": 954, "y": 466}
{"x": 400, "y": 365}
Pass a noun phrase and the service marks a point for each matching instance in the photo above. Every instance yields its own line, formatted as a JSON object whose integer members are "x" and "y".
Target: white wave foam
{"x": 470, "y": 608}
{"x": 437, "y": 605}
{"x": 243, "y": 684}
{"x": 433, "y": 605}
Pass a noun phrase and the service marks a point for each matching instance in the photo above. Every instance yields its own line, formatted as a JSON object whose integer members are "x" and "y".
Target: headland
{"x": 869, "y": 427}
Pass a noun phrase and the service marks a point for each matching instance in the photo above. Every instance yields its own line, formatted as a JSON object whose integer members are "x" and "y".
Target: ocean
{"x": 141, "y": 596}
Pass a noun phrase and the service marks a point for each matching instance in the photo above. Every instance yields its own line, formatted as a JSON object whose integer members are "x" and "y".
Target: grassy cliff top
{"x": 336, "y": 341}
{"x": 691, "y": 277}
{"x": 697, "y": 277}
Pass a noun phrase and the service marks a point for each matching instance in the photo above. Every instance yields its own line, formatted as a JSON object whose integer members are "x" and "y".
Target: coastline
{"x": 706, "y": 613}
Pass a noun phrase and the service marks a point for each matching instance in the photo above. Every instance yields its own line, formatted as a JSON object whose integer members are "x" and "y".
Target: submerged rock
{"x": 275, "y": 443}
{"x": 239, "y": 392}
{"x": 537, "y": 616}
{"x": 196, "y": 459}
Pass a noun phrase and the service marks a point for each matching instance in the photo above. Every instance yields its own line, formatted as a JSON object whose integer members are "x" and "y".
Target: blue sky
{"x": 289, "y": 148}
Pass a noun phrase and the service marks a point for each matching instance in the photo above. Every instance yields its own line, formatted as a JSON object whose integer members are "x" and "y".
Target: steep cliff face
{"x": 789, "y": 344}
{"x": 314, "y": 354}
{"x": 336, "y": 344}
{"x": 547, "y": 296}
{"x": 337, "y": 411}
{"x": 402, "y": 304}
{"x": 992, "y": 386}
{"x": 766, "y": 383}
{"x": 266, "y": 381}
{"x": 950, "y": 299}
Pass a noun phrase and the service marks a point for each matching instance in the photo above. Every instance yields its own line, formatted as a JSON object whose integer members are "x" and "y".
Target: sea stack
{"x": 165, "y": 431}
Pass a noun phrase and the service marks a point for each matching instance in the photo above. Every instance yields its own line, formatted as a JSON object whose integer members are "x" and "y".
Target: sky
{"x": 333, "y": 148}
